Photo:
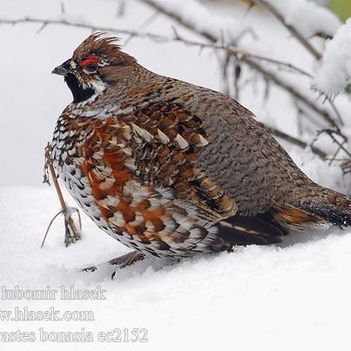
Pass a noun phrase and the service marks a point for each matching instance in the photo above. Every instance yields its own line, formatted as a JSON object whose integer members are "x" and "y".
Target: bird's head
{"x": 96, "y": 64}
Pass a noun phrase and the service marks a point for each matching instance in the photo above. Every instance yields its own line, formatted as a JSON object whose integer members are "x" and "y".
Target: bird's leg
{"x": 121, "y": 261}
{"x": 72, "y": 231}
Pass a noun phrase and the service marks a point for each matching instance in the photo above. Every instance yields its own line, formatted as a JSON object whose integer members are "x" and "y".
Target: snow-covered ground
{"x": 293, "y": 296}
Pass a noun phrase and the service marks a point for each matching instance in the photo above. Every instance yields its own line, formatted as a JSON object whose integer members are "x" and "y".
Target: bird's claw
{"x": 89, "y": 269}
{"x": 121, "y": 262}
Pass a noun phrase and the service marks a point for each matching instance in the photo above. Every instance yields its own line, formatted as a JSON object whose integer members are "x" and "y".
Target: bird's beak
{"x": 63, "y": 69}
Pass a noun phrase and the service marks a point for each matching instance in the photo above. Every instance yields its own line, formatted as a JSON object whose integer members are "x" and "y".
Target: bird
{"x": 171, "y": 169}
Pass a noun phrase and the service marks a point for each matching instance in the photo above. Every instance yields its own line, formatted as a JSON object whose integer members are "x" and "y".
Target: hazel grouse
{"x": 171, "y": 169}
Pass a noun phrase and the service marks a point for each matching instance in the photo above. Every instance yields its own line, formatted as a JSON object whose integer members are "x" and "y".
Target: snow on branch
{"x": 193, "y": 15}
{"x": 304, "y": 20}
{"x": 334, "y": 75}
{"x": 307, "y": 17}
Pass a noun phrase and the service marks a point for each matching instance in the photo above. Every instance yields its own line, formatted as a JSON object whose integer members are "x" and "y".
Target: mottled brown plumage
{"x": 172, "y": 169}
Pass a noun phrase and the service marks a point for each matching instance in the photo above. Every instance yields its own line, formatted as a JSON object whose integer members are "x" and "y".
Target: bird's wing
{"x": 169, "y": 140}
{"x": 242, "y": 157}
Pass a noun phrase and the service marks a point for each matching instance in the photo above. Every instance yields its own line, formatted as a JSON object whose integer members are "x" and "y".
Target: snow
{"x": 292, "y": 296}
{"x": 307, "y": 17}
{"x": 334, "y": 73}
{"x": 192, "y": 12}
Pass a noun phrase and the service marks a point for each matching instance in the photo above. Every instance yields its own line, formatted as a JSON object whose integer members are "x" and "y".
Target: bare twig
{"x": 48, "y": 228}
{"x": 244, "y": 55}
{"x": 293, "y": 31}
{"x": 336, "y": 111}
{"x": 54, "y": 179}
{"x": 295, "y": 141}
{"x": 301, "y": 97}
{"x": 72, "y": 232}
{"x": 237, "y": 74}
{"x": 331, "y": 133}
{"x": 41, "y": 21}
{"x": 231, "y": 50}
{"x": 346, "y": 166}
{"x": 334, "y": 157}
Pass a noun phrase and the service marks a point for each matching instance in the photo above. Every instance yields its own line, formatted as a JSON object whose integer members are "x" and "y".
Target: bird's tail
{"x": 323, "y": 208}
{"x": 317, "y": 210}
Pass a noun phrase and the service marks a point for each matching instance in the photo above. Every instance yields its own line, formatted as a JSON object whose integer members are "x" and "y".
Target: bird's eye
{"x": 90, "y": 65}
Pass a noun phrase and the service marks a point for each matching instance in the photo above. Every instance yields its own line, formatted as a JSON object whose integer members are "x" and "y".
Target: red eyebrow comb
{"x": 89, "y": 60}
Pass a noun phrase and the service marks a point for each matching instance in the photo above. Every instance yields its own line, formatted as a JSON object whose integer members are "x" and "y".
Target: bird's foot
{"x": 126, "y": 260}
{"x": 89, "y": 269}
{"x": 121, "y": 261}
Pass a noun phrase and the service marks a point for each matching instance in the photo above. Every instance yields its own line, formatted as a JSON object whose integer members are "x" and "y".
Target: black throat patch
{"x": 79, "y": 93}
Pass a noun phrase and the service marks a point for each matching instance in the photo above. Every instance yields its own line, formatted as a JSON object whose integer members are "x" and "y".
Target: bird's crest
{"x": 101, "y": 45}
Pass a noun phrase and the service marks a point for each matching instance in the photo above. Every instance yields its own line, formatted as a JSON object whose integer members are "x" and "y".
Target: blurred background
{"x": 341, "y": 7}
{"x": 34, "y": 40}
